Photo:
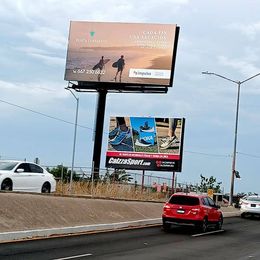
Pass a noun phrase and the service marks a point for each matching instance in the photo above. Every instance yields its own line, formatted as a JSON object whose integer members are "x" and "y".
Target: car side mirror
{"x": 20, "y": 170}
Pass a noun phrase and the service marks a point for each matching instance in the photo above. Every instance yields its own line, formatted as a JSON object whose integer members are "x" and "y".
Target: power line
{"x": 208, "y": 154}
{"x": 250, "y": 155}
{"x": 45, "y": 115}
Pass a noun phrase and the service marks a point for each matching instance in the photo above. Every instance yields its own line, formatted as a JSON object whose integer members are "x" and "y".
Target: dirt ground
{"x": 22, "y": 211}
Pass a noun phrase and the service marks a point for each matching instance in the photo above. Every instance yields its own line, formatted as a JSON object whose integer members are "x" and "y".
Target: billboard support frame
{"x": 119, "y": 88}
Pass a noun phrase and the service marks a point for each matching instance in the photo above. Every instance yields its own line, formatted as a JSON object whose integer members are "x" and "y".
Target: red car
{"x": 191, "y": 209}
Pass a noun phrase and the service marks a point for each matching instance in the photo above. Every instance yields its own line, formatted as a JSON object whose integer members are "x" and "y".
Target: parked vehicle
{"x": 25, "y": 176}
{"x": 191, "y": 209}
{"x": 250, "y": 206}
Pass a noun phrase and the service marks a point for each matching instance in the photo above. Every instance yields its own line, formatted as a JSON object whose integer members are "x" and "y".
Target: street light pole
{"x": 233, "y": 169}
{"x": 74, "y": 140}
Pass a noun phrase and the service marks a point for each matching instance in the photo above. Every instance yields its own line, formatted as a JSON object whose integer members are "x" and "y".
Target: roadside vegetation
{"x": 119, "y": 184}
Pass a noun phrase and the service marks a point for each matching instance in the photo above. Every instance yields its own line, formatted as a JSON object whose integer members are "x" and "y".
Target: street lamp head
{"x": 206, "y": 72}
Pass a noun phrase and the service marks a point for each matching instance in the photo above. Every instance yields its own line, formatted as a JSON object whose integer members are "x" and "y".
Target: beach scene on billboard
{"x": 145, "y": 135}
{"x": 121, "y": 53}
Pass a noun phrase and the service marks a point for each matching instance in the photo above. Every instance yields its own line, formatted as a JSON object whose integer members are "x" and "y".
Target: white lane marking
{"x": 72, "y": 257}
{"x": 208, "y": 233}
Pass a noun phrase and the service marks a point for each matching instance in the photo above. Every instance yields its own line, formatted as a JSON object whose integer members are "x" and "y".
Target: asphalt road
{"x": 240, "y": 240}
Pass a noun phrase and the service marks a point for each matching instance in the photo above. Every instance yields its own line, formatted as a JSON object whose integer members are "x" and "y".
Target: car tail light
{"x": 166, "y": 207}
{"x": 195, "y": 211}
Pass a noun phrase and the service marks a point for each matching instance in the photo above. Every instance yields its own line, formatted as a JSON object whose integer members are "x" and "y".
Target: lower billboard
{"x": 145, "y": 143}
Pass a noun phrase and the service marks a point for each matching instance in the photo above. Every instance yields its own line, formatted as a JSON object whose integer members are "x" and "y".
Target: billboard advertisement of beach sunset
{"x": 127, "y": 53}
{"x": 145, "y": 143}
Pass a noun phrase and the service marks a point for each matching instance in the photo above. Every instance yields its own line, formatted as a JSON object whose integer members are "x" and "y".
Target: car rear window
{"x": 184, "y": 200}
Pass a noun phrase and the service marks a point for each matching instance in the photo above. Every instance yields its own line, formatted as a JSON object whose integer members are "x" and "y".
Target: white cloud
{"x": 29, "y": 50}
{"x": 249, "y": 30}
{"x": 43, "y": 55}
{"x": 50, "y": 37}
{"x": 51, "y": 12}
{"x": 245, "y": 67}
{"x": 48, "y": 59}
{"x": 35, "y": 92}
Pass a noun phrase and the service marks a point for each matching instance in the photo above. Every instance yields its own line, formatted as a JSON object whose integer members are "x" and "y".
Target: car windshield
{"x": 253, "y": 198}
{"x": 7, "y": 166}
{"x": 184, "y": 200}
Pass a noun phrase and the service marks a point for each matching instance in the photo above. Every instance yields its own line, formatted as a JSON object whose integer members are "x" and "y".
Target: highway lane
{"x": 239, "y": 240}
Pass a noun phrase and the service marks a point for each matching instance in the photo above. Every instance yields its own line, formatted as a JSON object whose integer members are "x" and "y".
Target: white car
{"x": 25, "y": 176}
{"x": 250, "y": 205}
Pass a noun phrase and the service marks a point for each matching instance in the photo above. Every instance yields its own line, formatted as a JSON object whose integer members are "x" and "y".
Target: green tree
{"x": 118, "y": 175}
{"x": 62, "y": 172}
{"x": 209, "y": 183}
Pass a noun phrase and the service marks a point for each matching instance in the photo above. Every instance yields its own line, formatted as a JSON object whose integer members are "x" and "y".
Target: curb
{"x": 28, "y": 234}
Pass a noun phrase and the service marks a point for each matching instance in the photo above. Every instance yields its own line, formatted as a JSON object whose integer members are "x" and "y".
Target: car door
{"x": 22, "y": 178}
{"x": 37, "y": 176}
{"x": 213, "y": 212}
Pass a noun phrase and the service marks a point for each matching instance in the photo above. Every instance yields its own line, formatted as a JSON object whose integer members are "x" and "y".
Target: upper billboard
{"x": 145, "y": 143}
{"x": 126, "y": 53}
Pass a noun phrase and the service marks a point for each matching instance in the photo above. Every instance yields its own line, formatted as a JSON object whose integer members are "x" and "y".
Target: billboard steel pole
{"x": 233, "y": 170}
{"x": 100, "y": 115}
{"x": 173, "y": 182}
{"x": 143, "y": 180}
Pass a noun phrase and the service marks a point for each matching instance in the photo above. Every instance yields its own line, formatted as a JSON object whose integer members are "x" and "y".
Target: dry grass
{"x": 110, "y": 190}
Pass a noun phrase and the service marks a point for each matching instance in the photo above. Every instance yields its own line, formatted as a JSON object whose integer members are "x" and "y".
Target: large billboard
{"x": 126, "y": 53}
{"x": 145, "y": 143}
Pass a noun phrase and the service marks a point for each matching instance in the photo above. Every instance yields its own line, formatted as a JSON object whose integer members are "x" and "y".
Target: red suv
{"x": 191, "y": 209}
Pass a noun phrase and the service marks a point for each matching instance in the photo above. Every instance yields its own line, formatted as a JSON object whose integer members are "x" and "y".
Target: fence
{"x": 118, "y": 184}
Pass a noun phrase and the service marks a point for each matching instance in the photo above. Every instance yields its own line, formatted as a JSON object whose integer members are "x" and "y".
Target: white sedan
{"x": 250, "y": 205}
{"x": 25, "y": 176}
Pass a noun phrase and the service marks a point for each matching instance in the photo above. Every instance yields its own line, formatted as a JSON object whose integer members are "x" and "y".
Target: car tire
{"x": 243, "y": 215}
{"x": 204, "y": 225}
{"x": 7, "y": 185}
{"x": 219, "y": 223}
{"x": 46, "y": 187}
{"x": 166, "y": 227}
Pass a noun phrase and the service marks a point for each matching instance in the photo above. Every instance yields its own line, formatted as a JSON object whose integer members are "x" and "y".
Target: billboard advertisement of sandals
{"x": 145, "y": 143}
{"x": 129, "y": 53}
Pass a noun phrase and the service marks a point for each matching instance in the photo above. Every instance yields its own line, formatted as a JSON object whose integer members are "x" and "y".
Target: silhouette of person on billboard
{"x": 120, "y": 64}
{"x": 100, "y": 66}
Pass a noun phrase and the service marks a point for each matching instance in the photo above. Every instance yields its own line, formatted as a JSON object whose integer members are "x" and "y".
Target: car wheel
{"x": 243, "y": 215}
{"x": 46, "y": 187}
{"x": 7, "y": 185}
{"x": 166, "y": 227}
{"x": 219, "y": 223}
{"x": 204, "y": 225}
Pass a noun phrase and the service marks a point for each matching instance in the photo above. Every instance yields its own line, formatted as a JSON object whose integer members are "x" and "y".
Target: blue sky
{"x": 218, "y": 36}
